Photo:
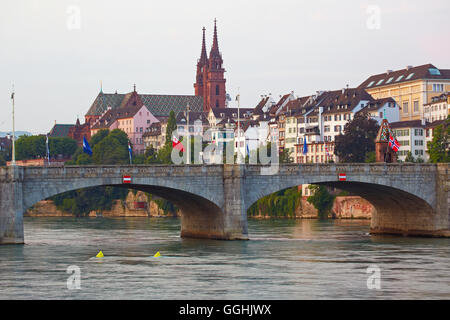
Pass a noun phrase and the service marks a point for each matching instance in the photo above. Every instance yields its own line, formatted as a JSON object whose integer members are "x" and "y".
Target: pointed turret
{"x": 203, "y": 56}
{"x": 215, "y": 58}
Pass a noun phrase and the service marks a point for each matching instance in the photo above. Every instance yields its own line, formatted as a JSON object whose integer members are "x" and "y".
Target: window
{"x": 137, "y": 129}
{"x": 141, "y": 129}
{"x": 418, "y": 152}
{"x": 405, "y": 107}
{"x": 409, "y": 76}
{"x": 326, "y": 128}
{"x": 399, "y": 78}
{"x": 217, "y": 103}
{"x": 217, "y": 90}
{"x": 434, "y": 71}
{"x": 370, "y": 84}
{"x": 148, "y": 121}
{"x": 390, "y": 80}
{"x": 416, "y": 106}
{"x": 380, "y": 82}
{"x": 418, "y": 142}
{"x": 418, "y": 132}
{"x": 438, "y": 87}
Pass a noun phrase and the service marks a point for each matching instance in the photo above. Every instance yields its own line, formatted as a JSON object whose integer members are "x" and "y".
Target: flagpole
{"x": 239, "y": 129}
{"x": 13, "y": 162}
{"x": 188, "y": 142}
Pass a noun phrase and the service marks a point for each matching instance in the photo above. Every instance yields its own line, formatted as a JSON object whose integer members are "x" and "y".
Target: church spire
{"x": 215, "y": 45}
{"x": 203, "y": 56}
{"x": 215, "y": 58}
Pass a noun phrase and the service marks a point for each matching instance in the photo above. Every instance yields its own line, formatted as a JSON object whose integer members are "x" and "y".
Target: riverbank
{"x": 139, "y": 205}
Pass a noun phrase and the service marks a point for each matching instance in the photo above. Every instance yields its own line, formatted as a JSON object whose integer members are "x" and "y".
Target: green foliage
{"x": 81, "y": 202}
{"x": 171, "y": 126}
{"x": 438, "y": 148}
{"x": 285, "y": 156}
{"x": 370, "y": 157}
{"x": 110, "y": 151}
{"x": 99, "y": 136}
{"x": 279, "y": 204}
{"x": 409, "y": 157}
{"x": 321, "y": 199}
{"x": 34, "y": 147}
{"x": 358, "y": 139}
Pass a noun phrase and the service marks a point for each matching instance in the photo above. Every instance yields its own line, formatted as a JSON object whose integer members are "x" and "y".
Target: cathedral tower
{"x": 210, "y": 81}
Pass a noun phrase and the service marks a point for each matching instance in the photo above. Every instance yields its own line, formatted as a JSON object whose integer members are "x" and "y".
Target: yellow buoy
{"x": 99, "y": 254}
{"x": 157, "y": 255}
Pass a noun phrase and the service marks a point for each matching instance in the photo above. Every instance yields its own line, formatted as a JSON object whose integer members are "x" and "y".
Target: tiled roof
{"x": 158, "y": 105}
{"x": 113, "y": 114}
{"x": 259, "y": 108}
{"x": 436, "y": 123}
{"x": 279, "y": 104}
{"x": 426, "y": 71}
{"x": 343, "y": 100}
{"x": 60, "y": 130}
{"x": 193, "y": 116}
{"x": 228, "y": 112}
{"x": 407, "y": 124}
{"x": 377, "y": 104}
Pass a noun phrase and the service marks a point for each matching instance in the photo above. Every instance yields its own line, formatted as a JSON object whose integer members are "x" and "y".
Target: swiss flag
{"x": 176, "y": 144}
{"x": 393, "y": 143}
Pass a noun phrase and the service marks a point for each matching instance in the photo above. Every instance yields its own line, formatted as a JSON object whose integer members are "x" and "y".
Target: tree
{"x": 110, "y": 151}
{"x": 358, "y": 139}
{"x": 438, "y": 147}
{"x": 34, "y": 147}
{"x": 285, "y": 156}
{"x": 370, "y": 157}
{"x": 321, "y": 199}
{"x": 409, "y": 157}
{"x": 171, "y": 127}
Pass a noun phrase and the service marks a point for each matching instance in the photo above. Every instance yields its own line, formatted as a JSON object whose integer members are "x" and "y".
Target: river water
{"x": 284, "y": 259}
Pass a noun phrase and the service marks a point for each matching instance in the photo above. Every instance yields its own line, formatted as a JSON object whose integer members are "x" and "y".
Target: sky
{"x": 57, "y": 52}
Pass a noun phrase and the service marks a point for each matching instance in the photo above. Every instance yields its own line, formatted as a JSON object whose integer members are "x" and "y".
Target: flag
{"x": 48, "y": 151}
{"x": 130, "y": 151}
{"x": 248, "y": 151}
{"x": 176, "y": 144}
{"x": 12, "y": 95}
{"x": 393, "y": 143}
{"x": 305, "y": 146}
{"x": 86, "y": 147}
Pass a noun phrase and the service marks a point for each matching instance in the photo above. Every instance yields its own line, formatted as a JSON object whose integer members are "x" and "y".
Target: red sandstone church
{"x": 210, "y": 81}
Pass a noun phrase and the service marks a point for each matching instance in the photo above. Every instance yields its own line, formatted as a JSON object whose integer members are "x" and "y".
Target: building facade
{"x": 411, "y": 88}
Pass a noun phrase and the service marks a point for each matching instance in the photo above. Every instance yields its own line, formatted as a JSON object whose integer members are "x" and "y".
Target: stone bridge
{"x": 410, "y": 199}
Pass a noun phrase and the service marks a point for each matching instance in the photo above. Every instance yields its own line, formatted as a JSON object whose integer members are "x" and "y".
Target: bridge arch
{"x": 400, "y": 208}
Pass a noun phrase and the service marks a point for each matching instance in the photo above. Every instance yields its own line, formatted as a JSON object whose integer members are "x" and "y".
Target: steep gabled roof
{"x": 158, "y": 105}
{"x": 60, "y": 130}
{"x": 343, "y": 100}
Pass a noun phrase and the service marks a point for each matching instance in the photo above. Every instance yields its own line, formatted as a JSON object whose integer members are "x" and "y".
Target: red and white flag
{"x": 176, "y": 144}
{"x": 393, "y": 143}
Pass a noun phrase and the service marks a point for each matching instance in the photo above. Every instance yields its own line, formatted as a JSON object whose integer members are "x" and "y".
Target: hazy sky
{"x": 57, "y": 57}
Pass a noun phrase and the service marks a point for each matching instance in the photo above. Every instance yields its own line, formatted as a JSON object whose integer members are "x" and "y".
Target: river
{"x": 284, "y": 259}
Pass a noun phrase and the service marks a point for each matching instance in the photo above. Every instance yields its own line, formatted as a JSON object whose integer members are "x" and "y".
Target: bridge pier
{"x": 227, "y": 222}
{"x": 11, "y": 206}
